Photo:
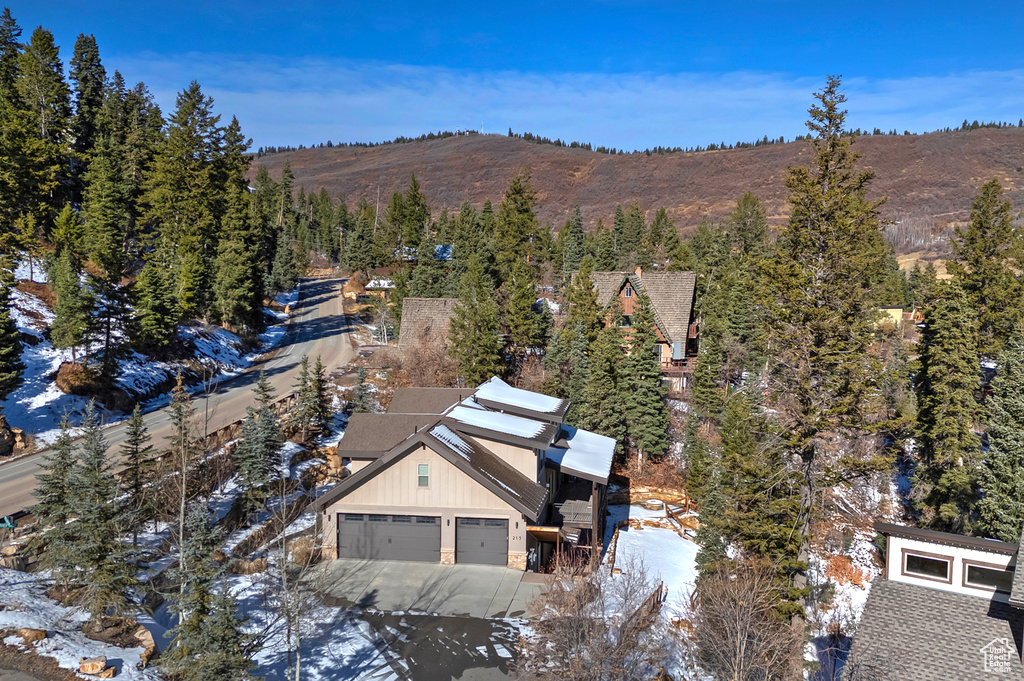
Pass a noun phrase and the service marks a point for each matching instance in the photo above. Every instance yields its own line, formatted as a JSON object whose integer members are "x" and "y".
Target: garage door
{"x": 481, "y": 540}
{"x": 389, "y": 537}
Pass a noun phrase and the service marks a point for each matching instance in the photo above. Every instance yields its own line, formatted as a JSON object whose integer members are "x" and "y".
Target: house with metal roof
{"x": 947, "y": 607}
{"x": 490, "y": 475}
{"x": 672, "y": 296}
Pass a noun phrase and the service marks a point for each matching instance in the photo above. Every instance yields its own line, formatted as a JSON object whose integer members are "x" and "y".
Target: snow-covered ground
{"x": 655, "y": 541}
{"x": 38, "y": 406}
{"x": 24, "y": 605}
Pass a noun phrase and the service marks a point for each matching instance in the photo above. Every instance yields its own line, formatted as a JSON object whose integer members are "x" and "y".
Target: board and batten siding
{"x": 522, "y": 459}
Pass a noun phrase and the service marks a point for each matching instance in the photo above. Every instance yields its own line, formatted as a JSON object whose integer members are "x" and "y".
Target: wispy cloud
{"x": 311, "y": 101}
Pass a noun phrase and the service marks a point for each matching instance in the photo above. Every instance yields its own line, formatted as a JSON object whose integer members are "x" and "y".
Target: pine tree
{"x": 988, "y": 257}
{"x": 73, "y": 311}
{"x": 11, "y": 366}
{"x": 473, "y": 330}
{"x": 136, "y": 498}
{"x": 602, "y": 398}
{"x": 322, "y": 412}
{"x": 361, "y": 399}
{"x": 948, "y": 378}
{"x": 88, "y": 78}
{"x": 42, "y": 88}
{"x": 93, "y": 542}
{"x": 631, "y": 240}
{"x": 224, "y": 650}
{"x": 748, "y": 226}
{"x": 283, "y": 276}
{"x": 821, "y": 317}
{"x": 516, "y": 224}
{"x": 1001, "y": 508}
{"x": 521, "y": 319}
{"x": 572, "y": 247}
{"x": 237, "y": 285}
{"x": 582, "y": 303}
{"x": 579, "y": 376}
{"x": 606, "y": 260}
{"x": 646, "y": 412}
{"x": 304, "y": 410}
{"x": 428, "y": 276}
{"x": 415, "y": 214}
{"x": 707, "y": 395}
{"x": 10, "y": 51}
{"x": 54, "y": 484}
{"x": 155, "y": 306}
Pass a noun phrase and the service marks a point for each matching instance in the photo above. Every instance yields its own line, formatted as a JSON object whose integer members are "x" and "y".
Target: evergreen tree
{"x": 988, "y": 258}
{"x": 646, "y": 412}
{"x": 602, "y": 398}
{"x": 54, "y": 484}
{"x": 415, "y": 214}
{"x": 92, "y": 542}
{"x": 945, "y": 482}
{"x": 473, "y": 330}
{"x": 707, "y": 395}
{"x": 361, "y": 399}
{"x": 582, "y": 303}
{"x": 224, "y": 650}
{"x": 618, "y": 228}
{"x": 11, "y": 366}
{"x": 42, "y": 88}
{"x": 88, "y": 78}
{"x": 516, "y": 224}
{"x": 748, "y": 226}
{"x": 136, "y": 500}
{"x": 304, "y": 410}
{"x": 821, "y": 318}
{"x": 572, "y": 247}
{"x": 155, "y": 307}
{"x": 428, "y": 276}
{"x": 237, "y": 285}
{"x": 922, "y": 282}
{"x": 10, "y": 51}
{"x": 322, "y": 411}
{"x": 579, "y": 376}
{"x": 521, "y": 319}
{"x": 283, "y": 276}
{"x": 256, "y": 453}
{"x": 1001, "y": 508}
{"x": 606, "y": 259}
{"x": 632, "y": 238}
{"x": 73, "y": 312}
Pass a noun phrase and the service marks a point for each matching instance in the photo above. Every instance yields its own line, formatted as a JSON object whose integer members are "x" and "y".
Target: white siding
{"x": 899, "y": 546}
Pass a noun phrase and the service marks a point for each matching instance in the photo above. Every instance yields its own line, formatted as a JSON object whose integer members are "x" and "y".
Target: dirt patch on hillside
{"x": 33, "y": 666}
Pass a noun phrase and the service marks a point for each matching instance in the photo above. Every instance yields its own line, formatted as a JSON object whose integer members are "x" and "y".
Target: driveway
{"x": 477, "y": 591}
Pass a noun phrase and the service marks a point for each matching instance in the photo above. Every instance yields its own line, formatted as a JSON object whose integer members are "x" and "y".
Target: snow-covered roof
{"x": 497, "y": 422}
{"x": 380, "y": 283}
{"x": 584, "y": 454}
{"x": 500, "y": 394}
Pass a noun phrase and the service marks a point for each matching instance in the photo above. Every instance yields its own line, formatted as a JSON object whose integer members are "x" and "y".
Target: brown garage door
{"x": 389, "y": 537}
{"x": 482, "y": 540}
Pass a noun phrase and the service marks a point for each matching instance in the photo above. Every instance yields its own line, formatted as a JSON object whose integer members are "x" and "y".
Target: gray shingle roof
{"x": 671, "y": 295}
{"x": 426, "y": 400}
{"x": 914, "y": 633}
{"x": 425, "y": 320}
{"x": 370, "y": 435}
{"x": 1017, "y": 592}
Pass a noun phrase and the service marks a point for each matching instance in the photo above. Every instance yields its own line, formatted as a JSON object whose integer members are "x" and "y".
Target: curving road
{"x": 318, "y": 327}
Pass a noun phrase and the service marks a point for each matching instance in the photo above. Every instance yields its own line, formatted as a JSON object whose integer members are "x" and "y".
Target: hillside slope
{"x": 929, "y": 179}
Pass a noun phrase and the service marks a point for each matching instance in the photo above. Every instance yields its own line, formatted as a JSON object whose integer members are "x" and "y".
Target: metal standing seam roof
{"x": 494, "y": 424}
{"x": 499, "y": 395}
{"x": 671, "y": 295}
{"x": 501, "y": 478}
{"x": 583, "y": 454}
{"x": 914, "y": 633}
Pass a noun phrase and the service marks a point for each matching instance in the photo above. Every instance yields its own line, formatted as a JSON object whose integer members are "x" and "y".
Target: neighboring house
{"x": 380, "y": 288}
{"x": 425, "y": 321}
{"x": 672, "y": 297}
{"x": 489, "y": 475}
{"x": 948, "y": 607}
{"x": 442, "y": 252}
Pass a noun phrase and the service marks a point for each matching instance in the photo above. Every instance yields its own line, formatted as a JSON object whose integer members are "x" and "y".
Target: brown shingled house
{"x": 672, "y": 295}
{"x": 486, "y": 475}
{"x": 425, "y": 321}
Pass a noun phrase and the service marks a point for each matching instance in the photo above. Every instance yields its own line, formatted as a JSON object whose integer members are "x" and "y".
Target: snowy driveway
{"x": 481, "y": 591}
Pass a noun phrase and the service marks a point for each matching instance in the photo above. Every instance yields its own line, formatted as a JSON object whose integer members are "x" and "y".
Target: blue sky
{"x": 624, "y": 74}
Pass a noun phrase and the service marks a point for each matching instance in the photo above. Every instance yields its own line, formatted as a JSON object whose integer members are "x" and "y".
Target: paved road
{"x": 318, "y": 327}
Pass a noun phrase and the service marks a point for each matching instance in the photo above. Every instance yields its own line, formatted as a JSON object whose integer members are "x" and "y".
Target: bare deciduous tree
{"x": 737, "y": 631}
{"x": 595, "y": 626}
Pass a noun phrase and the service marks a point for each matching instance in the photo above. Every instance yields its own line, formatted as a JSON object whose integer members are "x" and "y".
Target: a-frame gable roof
{"x": 671, "y": 295}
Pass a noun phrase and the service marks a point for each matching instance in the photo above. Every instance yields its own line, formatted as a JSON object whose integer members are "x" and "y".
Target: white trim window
{"x": 423, "y": 475}
{"x": 627, "y": 291}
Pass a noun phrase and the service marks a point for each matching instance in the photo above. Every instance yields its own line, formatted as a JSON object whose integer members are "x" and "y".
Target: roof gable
{"x": 370, "y": 435}
{"x": 425, "y": 320}
{"x": 671, "y": 295}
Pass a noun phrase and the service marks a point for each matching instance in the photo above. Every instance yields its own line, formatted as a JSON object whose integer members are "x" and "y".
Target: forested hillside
{"x": 929, "y": 179}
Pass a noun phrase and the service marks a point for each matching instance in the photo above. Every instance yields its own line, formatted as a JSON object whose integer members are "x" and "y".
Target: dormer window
{"x": 988, "y": 577}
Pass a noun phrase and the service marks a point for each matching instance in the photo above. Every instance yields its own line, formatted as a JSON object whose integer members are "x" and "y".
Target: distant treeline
{"x": 540, "y": 139}
{"x": 439, "y": 135}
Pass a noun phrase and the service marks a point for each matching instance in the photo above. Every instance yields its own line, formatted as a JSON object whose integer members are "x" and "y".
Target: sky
{"x": 629, "y": 74}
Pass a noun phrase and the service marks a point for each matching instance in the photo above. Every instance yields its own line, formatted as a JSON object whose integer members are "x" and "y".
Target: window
{"x": 375, "y": 518}
{"x": 426, "y": 520}
{"x": 423, "y": 475}
{"x": 401, "y": 518}
{"x": 628, "y": 291}
{"x": 927, "y": 566}
{"x": 988, "y": 577}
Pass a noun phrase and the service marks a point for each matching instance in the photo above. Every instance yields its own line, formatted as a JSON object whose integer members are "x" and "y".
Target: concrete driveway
{"x": 479, "y": 591}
